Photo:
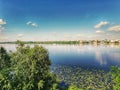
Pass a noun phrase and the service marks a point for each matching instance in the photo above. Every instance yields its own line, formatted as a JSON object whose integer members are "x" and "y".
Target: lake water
{"x": 90, "y": 56}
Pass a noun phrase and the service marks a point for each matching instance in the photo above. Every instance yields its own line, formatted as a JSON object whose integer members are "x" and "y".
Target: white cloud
{"x": 20, "y": 35}
{"x": 2, "y": 22}
{"x": 1, "y": 28}
{"x": 29, "y": 23}
{"x": 114, "y": 28}
{"x": 89, "y": 37}
{"x": 102, "y": 23}
{"x": 108, "y": 34}
{"x": 3, "y": 38}
{"x": 80, "y": 35}
{"x": 99, "y": 31}
{"x": 34, "y": 25}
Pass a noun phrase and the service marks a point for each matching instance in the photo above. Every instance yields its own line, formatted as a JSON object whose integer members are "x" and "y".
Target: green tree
{"x": 4, "y": 69}
{"x": 4, "y": 59}
{"x": 29, "y": 70}
{"x": 20, "y": 43}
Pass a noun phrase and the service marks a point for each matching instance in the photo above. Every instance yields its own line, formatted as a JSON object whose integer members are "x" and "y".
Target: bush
{"x": 115, "y": 71}
{"x": 29, "y": 69}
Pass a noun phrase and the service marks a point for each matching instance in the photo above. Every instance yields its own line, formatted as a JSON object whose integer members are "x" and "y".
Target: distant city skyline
{"x": 54, "y": 20}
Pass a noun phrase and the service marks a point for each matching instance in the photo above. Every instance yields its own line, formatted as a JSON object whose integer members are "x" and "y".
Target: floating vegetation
{"x": 84, "y": 77}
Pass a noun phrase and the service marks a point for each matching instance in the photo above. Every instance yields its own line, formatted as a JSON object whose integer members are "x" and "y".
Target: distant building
{"x": 81, "y": 41}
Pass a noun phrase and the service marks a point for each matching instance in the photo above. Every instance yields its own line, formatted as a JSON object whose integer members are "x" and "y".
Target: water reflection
{"x": 101, "y": 56}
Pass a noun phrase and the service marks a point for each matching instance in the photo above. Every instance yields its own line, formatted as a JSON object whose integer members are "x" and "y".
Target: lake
{"x": 89, "y": 56}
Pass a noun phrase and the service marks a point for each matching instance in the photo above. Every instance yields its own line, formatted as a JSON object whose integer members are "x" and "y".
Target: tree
{"x": 4, "y": 59}
{"x": 29, "y": 70}
{"x": 20, "y": 43}
{"x": 4, "y": 69}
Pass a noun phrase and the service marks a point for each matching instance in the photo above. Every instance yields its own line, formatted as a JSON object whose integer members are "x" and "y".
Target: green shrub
{"x": 29, "y": 69}
{"x": 115, "y": 71}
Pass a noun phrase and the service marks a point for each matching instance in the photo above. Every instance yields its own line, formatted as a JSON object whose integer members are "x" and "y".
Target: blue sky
{"x": 39, "y": 20}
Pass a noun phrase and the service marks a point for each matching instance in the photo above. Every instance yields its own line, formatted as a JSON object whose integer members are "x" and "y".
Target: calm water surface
{"x": 81, "y": 55}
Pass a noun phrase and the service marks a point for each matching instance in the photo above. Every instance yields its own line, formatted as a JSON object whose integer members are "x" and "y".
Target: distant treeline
{"x": 68, "y": 42}
{"x": 44, "y": 42}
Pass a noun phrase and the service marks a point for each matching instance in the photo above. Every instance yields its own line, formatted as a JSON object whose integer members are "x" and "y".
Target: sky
{"x": 51, "y": 20}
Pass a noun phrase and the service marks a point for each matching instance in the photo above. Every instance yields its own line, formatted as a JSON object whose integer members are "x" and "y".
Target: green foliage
{"x": 115, "y": 71}
{"x": 40, "y": 84}
{"x": 4, "y": 69}
{"x": 20, "y": 43}
{"x": 73, "y": 87}
{"x": 29, "y": 69}
{"x": 4, "y": 58}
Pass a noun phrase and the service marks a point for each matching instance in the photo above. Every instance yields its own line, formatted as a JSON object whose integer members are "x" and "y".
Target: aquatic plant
{"x": 84, "y": 77}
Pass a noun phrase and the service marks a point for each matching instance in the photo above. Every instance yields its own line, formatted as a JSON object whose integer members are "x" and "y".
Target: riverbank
{"x": 96, "y": 42}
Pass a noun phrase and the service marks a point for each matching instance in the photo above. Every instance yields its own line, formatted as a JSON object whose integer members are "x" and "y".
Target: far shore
{"x": 84, "y": 42}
